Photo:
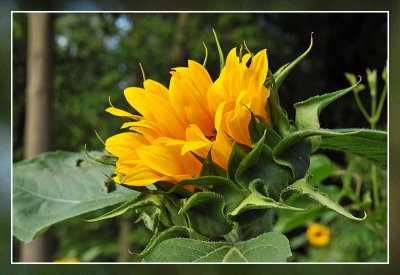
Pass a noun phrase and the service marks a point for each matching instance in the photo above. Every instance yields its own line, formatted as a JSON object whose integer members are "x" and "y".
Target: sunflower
{"x": 194, "y": 115}
{"x": 318, "y": 234}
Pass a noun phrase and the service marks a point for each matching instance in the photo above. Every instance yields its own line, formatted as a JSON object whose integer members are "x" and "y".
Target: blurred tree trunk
{"x": 123, "y": 238}
{"x": 179, "y": 50}
{"x": 38, "y": 110}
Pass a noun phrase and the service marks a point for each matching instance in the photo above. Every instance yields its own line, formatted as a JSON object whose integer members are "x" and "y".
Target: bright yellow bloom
{"x": 318, "y": 234}
{"x": 192, "y": 115}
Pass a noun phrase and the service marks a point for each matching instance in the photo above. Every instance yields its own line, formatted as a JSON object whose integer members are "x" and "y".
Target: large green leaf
{"x": 268, "y": 247}
{"x": 56, "y": 186}
{"x": 172, "y": 232}
{"x": 294, "y": 150}
{"x": 370, "y": 144}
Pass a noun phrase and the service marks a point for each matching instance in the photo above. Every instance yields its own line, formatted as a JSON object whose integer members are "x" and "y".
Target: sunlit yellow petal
{"x": 160, "y": 159}
{"x": 118, "y": 112}
{"x": 221, "y": 150}
{"x": 235, "y": 124}
{"x": 124, "y": 142}
{"x": 188, "y": 89}
{"x": 141, "y": 175}
{"x": 153, "y": 104}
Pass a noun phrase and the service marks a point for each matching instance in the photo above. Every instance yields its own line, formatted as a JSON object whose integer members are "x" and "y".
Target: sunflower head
{"x": 180, "y": 125}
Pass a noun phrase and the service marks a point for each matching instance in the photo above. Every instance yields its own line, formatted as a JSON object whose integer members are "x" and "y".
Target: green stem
{"x": 378, "y": 112}
{"x": 373, "y": 105}
{"x": 361, "y": 106}
{"x": 375, "y": 115}
{"x": 374, "y": 178}
{"x": 373, "y": 101}
{"x": 375, "y": 185}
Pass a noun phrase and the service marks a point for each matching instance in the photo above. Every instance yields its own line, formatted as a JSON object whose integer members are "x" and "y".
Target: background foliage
{"x": 97, "y": 56}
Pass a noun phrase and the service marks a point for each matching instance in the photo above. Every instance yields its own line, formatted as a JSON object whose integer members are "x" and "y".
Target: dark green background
{"x": 394, "y": 26}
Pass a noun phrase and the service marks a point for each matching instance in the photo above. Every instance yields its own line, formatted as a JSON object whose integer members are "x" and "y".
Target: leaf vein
{"x": 234, "y": 249}
{"x": 49, "y": 198}
{"x": 211, "y": 252}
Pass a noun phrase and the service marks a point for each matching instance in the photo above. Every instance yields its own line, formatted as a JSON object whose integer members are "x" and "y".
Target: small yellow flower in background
{"x": 318, "y": 234}
{"x": 67, "y": 260}
{"x": 194, "y": 114}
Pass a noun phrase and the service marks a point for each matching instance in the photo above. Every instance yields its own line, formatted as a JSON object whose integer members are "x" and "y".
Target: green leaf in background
{"x": 370, "y": 144}
{"x": 321, "y": 167}
{"x": 303, "y": 188}
{"x": 56, "y": 186}
{"x": 268, "y": 247}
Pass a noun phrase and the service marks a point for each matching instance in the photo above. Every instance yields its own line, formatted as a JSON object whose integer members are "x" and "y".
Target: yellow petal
{"x": 223, "y": 108}
{"x": 125, "y": 142}
{"x": 154, "y": 105}
{"x": 221, "y": 150}
{"x": 188, "y": 90}
{"x": 118, "y": 112}
{"x": 259, "y": 64}
{"x": 161, "y": 160}
{"x": 141, "y": 175}
{"x": 235, "y": 124}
